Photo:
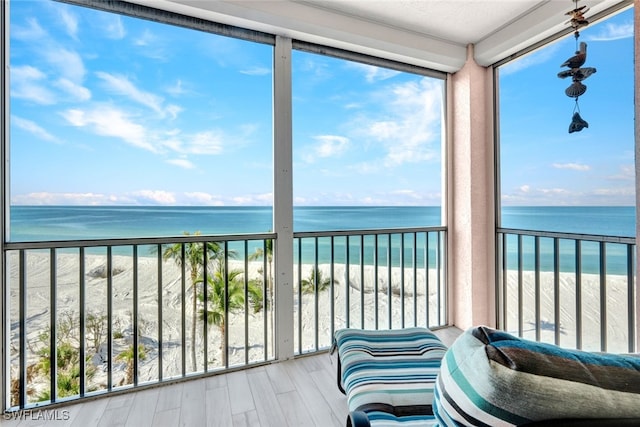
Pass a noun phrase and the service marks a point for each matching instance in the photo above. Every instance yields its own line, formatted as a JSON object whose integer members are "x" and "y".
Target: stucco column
{"x": 471, "y": 213}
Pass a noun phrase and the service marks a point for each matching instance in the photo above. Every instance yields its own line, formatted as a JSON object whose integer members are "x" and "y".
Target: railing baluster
{"x": 579, "y": 294}
{"x": 332, "y": 288}
{"x": 347, "y": 285}
{"x": 631, "y": 298}
{"x": 402, "y": 303}
{"x": 537, "y": 287}
{"x": 53, "y": 345}
{"x": 316, "y": 293}
{"x": 135, "y": 315}
{"x": 389, "y": 284}
{"x": 415, "y": 279}
{"x": 205, "y": 302}
{"x": 82, "y": 300}
{"x": 362, "y": 325}
{"x": 22, "y": 399}
{"x": 109, "y": 320}
{"x": 183, "y": 300}
{"x": 603, "y": 296}
{"x": 556, "y": 289}
{"x": 160, "y": 317}
{"x": 520, "y": 289}
{"x": 427, "y": 311}
{"x": 375, "y": 281}
{"x": 246, "y": 301}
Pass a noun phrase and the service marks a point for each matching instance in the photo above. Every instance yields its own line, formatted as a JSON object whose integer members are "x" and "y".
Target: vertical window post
{"x": 283, "y": 198}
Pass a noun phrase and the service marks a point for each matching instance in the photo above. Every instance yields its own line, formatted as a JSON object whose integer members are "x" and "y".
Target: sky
{"x": 542, "y": 163}
{"x": 109, "y": 110}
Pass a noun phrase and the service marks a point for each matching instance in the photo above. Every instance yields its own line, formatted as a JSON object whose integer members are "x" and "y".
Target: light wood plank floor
{"x": 297, "y": 392}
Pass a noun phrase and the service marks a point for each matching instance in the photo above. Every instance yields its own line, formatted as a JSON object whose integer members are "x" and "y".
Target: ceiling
{"x": 430, "y": 33}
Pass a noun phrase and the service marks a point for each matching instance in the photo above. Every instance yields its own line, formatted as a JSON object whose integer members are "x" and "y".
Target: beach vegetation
{"x": 127, "y": 356}
{"x": 192, "y": 254}
{"x": 259, "y": 255}
{"x": 67, "y": 359}
{"x": 315, "y": 279}
{"x": 225, "y": 294}
{"x": 96, "y": 328}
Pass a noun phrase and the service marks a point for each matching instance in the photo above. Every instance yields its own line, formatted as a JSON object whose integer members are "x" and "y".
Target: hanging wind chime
{"x": 576, "y": 71}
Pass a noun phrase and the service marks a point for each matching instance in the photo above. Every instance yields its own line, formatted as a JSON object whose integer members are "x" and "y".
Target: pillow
{"x": 492, "y": 377}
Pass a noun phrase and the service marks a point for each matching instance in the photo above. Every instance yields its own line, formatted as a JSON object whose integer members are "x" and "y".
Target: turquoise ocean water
{"x": 34, "y": 223}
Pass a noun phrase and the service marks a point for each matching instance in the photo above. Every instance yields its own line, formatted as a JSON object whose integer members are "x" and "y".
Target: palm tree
{"x": 268, "y": 252}
{"x": 194, "y": 262}
{"x": 308, "y": 285}
{"x": 217, "y": 306}
{"x": 127, "y": 357}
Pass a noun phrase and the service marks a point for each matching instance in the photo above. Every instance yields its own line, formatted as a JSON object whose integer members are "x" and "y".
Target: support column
{"x": 471, "y": 196}
{"x": 283, "y": 198}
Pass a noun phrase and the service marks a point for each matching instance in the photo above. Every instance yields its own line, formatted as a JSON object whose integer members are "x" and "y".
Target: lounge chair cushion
{"x": 494, "y": 378}
{"x": 383, "y": 369}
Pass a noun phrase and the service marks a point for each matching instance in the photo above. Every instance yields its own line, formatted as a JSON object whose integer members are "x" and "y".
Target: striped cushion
{"x": 492, "y": 378}
{"x": 396, "y": 368}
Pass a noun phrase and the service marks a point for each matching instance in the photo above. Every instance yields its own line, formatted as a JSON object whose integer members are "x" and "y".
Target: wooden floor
{"x": 297, "y": 392}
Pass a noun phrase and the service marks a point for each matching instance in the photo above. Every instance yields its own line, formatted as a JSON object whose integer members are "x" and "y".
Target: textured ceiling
{"x": 431, "y": 33}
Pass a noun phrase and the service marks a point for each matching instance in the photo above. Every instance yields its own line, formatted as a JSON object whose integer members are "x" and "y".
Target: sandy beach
{"x": 248, "y": 330}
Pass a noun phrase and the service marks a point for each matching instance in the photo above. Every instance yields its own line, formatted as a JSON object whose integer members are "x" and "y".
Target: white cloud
{"x": 123, "y": 86}
{"x": 409, "y": 125}
{"x": 610, "y": 31}
{"x": 78, "y": 92}
{"x": 69, "y": 20}
{"x": 202, "y": 198}
{"x": 33, "y": 31}
{"x": 572, "y": 166}
{"x": 183, "y": 163}
{"x": 372, "y": 73}
{"x": 159, "y": 197}
{"x": 29, "y": 83}
{"x": 32, "y": 128}
{"x": 68, "y": 63}
{"x": 112, "y": 26}
{"x": 46, "y": 198}
{"x": 327, "y": 146}
{"x": 207, "y": 142}
{"x": 109, "y": 121}
{"x": 627, "y": 173}
{"x": 256, "y": 71}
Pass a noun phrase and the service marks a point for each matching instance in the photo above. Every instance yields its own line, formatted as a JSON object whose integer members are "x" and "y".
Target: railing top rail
{"x": 305, "y": 234}
{"x": 570, "y": 236}
{"x": 59, "y": 244}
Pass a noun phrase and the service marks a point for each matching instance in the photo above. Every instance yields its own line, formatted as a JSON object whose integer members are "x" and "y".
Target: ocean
{"x": 36, "y": 223}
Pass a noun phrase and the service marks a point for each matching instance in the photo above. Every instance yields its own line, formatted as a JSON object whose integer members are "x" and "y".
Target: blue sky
{"x": 108, "y": 110}
{"x": 541, "y": 162}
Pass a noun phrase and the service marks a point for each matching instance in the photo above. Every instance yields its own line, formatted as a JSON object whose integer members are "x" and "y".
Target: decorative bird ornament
{"x": 577, "y": 123}
{"x": 577, "y": 74}
{"x": 577, "y": 60}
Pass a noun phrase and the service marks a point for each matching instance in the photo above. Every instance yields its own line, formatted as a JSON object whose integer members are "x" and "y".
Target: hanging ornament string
{"x": 576, "y": 71}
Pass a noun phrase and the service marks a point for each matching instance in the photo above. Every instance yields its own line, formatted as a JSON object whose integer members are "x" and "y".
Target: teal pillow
{"x": 492, "y": 377}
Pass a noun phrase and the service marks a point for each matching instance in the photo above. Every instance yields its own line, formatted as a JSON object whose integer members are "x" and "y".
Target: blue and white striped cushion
{"x": 491, "y": 378}
{"x": 389, "y": 367}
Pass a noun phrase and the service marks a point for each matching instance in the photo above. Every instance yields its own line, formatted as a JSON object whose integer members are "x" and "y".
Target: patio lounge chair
{"x": 487, "y": 378}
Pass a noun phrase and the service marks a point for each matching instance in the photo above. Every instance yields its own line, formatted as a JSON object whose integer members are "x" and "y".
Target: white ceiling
{"x": 431, "y": 33}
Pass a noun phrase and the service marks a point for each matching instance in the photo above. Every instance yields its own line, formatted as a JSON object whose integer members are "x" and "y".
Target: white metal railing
{"x": 91, "y": 317}
{"x": 575, "y": 290}
{"x": 94, "y": 317}
{"x": 374, "y": 279}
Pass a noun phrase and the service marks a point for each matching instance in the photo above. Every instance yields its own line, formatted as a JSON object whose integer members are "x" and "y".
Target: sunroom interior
{"x": 460, "y": 43}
